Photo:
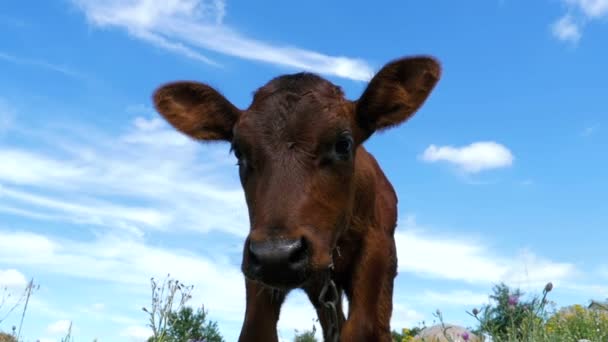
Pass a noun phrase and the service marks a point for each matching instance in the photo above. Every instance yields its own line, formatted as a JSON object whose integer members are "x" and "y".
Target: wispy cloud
{"x": 594, "y": 291}
{"x": 12, "y": 22}
{"x": 473, "y": 158}
{"x": 60, "y": 327}
{"x": 404, "y": 316}
{"x": 471, "y": 261}
{"x": 129, "y": 261}
{"x": 579, "y": 13}
{"x": 183, "y": 26}
{"x": 137, "y": 333}
{"x": 603, "y": 271}
{"x": 12, "y": 280}
{"x": 7, "y": 115}
{"x": 150, "y": 177}
{"x": 567, "y": 29}
{"x": 454, "y": 297}
{"x": 590, "y": 130}
{"x": 147, "y": 177}
{"x": 591, "y": 8}
{"x": 62, "y": 69}
{"x": 124, "y": 260}
{"x": 526, "y": 182}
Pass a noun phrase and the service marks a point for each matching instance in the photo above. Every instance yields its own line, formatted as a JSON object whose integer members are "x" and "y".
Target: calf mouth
{"x": 280, "y": 280}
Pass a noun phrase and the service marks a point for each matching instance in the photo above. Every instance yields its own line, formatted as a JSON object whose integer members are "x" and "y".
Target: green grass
{"x": 509, "y": 317}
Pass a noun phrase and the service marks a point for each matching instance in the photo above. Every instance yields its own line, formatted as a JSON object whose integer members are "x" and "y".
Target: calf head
{"x": 296, "y": 147}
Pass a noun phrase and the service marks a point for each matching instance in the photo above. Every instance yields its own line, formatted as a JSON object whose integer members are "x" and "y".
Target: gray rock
{"x": 436, "y": 334}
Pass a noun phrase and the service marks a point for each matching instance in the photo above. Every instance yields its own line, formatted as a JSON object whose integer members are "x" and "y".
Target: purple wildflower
{"x": 513, "y": 300}
{"x": 465, "y": 336}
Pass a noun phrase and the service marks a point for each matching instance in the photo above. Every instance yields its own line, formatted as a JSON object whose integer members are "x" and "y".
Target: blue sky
{"x": 501, "y": 175}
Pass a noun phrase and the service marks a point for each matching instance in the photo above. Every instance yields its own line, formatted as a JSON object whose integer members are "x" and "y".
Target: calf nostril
{"x": 277, "y": 254}
{"x": 298, "y": 252}
{"x": 253, "y": 259}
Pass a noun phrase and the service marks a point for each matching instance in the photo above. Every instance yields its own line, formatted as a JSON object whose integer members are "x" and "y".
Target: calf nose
{"x": 278, "y": 262}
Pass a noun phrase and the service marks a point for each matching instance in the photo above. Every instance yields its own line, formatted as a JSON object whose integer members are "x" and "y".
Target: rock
{"x": 436, "y": 334}
{"x": 7, "y": 338}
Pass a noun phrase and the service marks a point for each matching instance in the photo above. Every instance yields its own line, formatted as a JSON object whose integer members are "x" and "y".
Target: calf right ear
{"x": 196, "y": 110}
{"x": 396, "y": 92}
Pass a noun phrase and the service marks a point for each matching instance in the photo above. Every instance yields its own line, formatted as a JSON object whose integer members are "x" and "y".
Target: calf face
{"x": 296, "y": 147}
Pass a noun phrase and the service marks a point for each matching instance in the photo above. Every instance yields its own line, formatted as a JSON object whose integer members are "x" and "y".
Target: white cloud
{"x": 12, "y": 280}
{"x": 471, "y": 261}
{"x": 591, "y": 8}
{"x": 298, "y": 313}
{"x": 183, "y": 25}
{"x": 147, "y": 177}
{"x": 604, "y": 271}
{"x": 567, "y": 29}
{"x": 594, "y": 291}
{"x": 113, "y": 258}
{"x": 130, "y": 262}
{"x": 59, "y": 328}
{"x": 590, "y": 130}
{"x": 62, "y": 69}
{"x": 97, "y": 307}
{"x": 473, "y": 158}
{"x": 403, "y": 316}
{"x": 150, "y": 177}
{"x": 137, "y": 333}
{"x": 526, "y": 182}
{"x": 529, "y": 269}
{"x": 455, "y": 297}
{"x": 7, "y": 115}
{"x": 580, "y": 12}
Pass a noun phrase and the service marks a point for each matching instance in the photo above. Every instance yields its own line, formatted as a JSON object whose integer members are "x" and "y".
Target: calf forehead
{"x": 300, "y": 84}
{"x": 297, "y": 106}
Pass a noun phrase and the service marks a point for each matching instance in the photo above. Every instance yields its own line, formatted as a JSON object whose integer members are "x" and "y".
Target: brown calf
{"x": 320, "y": 207}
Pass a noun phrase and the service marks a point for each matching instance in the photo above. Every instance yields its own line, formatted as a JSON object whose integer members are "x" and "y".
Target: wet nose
{"x": 278, "y": 261}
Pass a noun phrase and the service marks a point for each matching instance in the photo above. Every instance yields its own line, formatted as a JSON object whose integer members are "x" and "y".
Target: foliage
{"x": 306, "y": 336}
{"x": 187, "y": 325}
{"x": 397, "y": 337}
{"x": 68, "y": 337}
{"x": 24, "y": 300}
{"x": 576, "y": 322}
{"x": 510, "y": 318}
{"x": 405, "y": 335}
{"x": 7, "y": 337}
{"x": 172, "y": 321}
{"x": 164, "y": 296}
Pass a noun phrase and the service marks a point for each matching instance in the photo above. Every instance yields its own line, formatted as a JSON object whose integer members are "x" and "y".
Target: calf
{"x": 322, "y": 213}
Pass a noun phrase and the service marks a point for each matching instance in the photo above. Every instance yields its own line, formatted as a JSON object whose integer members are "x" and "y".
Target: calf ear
{"x": 196, "y": 110}
{"x": 396, "y": 92}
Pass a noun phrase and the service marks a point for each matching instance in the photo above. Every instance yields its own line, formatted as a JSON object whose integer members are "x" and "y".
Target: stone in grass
{"x": 436, "y": 334}
{"x": 7, "y": 338}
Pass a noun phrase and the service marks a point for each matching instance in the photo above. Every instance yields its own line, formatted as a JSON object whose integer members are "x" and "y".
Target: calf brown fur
{"x": 319, "y": 205}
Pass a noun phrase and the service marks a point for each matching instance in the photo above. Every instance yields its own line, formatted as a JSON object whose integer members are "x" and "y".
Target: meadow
{"x": 510, "y": 316}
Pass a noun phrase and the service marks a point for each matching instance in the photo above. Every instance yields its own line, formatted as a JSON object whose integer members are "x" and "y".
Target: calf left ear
{"x": 396, "y": 92}
{"x": 196, "y": 110}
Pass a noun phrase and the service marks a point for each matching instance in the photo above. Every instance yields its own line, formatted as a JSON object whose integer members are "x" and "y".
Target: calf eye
{"x": 241, "y": 161}
{"x": 344, "y": 146}
{"x": 237, "y": 154}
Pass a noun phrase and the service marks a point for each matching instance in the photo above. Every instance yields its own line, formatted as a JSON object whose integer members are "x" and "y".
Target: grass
{"x": 508, "y": 318}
